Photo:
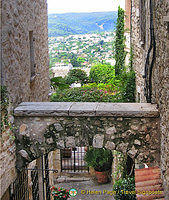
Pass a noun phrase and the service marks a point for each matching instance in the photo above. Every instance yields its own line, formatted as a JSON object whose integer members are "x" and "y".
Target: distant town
{"x": 81, "y": 50}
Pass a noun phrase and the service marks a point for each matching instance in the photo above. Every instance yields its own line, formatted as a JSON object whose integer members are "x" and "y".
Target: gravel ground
{"x": 86, "y": 188}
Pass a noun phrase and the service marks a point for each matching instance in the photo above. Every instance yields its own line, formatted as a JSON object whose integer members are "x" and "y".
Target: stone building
{"x": 24, "y": 68}
{"x": 150, "y": 42}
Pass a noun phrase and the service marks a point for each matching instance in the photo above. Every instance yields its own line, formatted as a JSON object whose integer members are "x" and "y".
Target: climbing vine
{"x": 5, "y": 122}
{"x": 120, "y": 53}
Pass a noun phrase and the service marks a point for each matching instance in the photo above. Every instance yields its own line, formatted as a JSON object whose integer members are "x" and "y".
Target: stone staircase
{"x": 149, "y": 184}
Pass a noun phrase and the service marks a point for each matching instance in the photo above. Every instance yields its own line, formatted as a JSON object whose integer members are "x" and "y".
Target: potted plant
{"x": 59, "y": 193}
{"x": 101, "y": 160}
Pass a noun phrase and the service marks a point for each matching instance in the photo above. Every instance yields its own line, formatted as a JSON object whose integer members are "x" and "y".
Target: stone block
{"x": 83, "y": 109}
{"x": 98, "y": 141}
{"x": 110, "y": 145}
{"x": 70, "y": 141}
{"x": 111, "y": 130}
{"x": 43, "y": 109}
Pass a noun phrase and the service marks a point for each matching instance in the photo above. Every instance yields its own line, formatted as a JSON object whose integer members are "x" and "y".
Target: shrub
{"x": 58, "y": 83}
{"x": 125, "y": 189}
{"x": 59, "y": 193}
{"x": 128, "y": 87}
{"x": 76, "y": 75}
{"x": 99, "y": 158}
{"x": 84, "y": 95}
{"x": 101, "y": 73}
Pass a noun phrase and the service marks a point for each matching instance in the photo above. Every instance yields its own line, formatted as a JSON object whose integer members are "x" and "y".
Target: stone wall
{"x": 129, "y": 128}
{"x": 161, "y": 85}
{"x": 7, "y": 159}
{"x": 24, "y": 66}
{"x": 160, "y": 75}
{"x": 20, "y": 19}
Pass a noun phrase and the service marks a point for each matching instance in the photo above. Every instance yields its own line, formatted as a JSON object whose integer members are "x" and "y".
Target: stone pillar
{"x": 56, "y": 163}
{"x": 40, "y": 178}
{"x": 51, "y": 166}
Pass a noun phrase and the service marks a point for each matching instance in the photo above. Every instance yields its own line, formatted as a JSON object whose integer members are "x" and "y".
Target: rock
{"x": 22, "y": 128}
{"x": 49, "y": 140}
{"x": 98, "y": 141}
{"x": 58, "y": 127}
{"x": 132, "y": 152}
{"x": 110, "y": 145}
{"x": 122, "y": 147}
{"x": 147, "y": 137}
{"x": 70, "y": 141}
{"x": 135, "y": 127}
{"x": 113, "y": 137}
{"x": 137, "y": 142}
{"x": 120, "y": 119}
{"x": 111, "y": 130}
{"x": 24, "y": 154}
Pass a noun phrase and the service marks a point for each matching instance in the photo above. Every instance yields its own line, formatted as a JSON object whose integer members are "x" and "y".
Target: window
{"x": 142, "y": 22}
{"x": 32, "y": 59}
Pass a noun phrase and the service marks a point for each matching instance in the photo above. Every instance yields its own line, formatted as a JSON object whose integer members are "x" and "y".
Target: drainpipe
{"x": 149, "y": 66}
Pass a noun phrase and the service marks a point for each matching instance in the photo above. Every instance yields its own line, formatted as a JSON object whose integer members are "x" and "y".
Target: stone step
{"x": 71, "y": 179}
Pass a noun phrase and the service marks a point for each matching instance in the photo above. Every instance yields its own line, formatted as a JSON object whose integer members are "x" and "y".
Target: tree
{"x": 120, "y": 54}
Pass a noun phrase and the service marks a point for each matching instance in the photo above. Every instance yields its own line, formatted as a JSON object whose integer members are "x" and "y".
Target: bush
{"x": 99, "y": 158}
{"x": 129, "y": 87}
{"x": 76, "y": 75}
{"x": 101, "y": 73}
{"x": 58, "y": 83}
{"x": 59, "y": 193}
{"x": 124, "y": 186}
{"x": 84, "y": 95}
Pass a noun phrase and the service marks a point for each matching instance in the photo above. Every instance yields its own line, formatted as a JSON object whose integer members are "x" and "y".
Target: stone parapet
{"x": 43, "y": 109}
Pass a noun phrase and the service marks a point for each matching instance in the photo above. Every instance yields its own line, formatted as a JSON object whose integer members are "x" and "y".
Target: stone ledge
{"x": 86, "y": 109}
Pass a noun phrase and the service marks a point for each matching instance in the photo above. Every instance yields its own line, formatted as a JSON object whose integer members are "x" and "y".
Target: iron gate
{"x": 19, "y": 188}
{"x": 72, "y": 160}
{"x": 46, "y": 178}
{"x": 35, "y": 184}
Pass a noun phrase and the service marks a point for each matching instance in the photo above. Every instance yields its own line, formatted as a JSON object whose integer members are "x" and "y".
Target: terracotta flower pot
{"x": 102, "y": 177}
{"x": 86, "y": 148}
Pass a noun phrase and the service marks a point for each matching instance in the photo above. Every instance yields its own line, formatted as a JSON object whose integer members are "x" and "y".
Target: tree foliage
{"x": 76, "y": 75}
{"x": 101, "y": 73}
{"x": 120, "y": 53}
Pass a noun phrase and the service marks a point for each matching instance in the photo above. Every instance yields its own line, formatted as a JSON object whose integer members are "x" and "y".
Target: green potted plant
{"x": 59, "y": 193}
{"x": 101, "y": 160}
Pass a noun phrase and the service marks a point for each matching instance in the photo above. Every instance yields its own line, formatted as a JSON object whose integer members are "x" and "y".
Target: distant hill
{"x": 81, "y": 23}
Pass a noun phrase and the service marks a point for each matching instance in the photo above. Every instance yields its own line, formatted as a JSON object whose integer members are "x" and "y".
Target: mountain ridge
{"x": 81, "y": 23}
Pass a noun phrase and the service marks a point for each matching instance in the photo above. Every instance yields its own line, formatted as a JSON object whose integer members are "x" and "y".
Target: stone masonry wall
{"x": 129, "y": 128}
{"x": 160, "y": 76}
{"x": 7, "y": 158}
{"x": 161, "y": 84}
{"x": 19, "y": 18}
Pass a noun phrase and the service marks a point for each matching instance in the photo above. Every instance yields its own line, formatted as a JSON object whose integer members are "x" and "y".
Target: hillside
{"x": 81, "y": 23}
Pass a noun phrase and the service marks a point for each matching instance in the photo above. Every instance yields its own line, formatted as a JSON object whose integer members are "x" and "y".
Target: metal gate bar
{"x": 72, "y": 160}
{"x": 47, "y": 177}
{"x": 35, "y": 184}
{"x": 19, "y": 188}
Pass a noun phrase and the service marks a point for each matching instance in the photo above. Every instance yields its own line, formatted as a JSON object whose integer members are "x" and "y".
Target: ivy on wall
{"x": 5, "y": 116}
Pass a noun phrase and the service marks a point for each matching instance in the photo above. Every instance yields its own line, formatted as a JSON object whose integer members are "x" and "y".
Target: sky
{"x": 65, "y": 6}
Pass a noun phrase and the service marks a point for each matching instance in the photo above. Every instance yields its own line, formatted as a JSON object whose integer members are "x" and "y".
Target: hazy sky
{"x": 64, "y": 6}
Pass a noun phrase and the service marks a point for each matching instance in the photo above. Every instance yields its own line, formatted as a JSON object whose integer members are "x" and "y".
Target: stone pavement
{"x": 89, "y": 190}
